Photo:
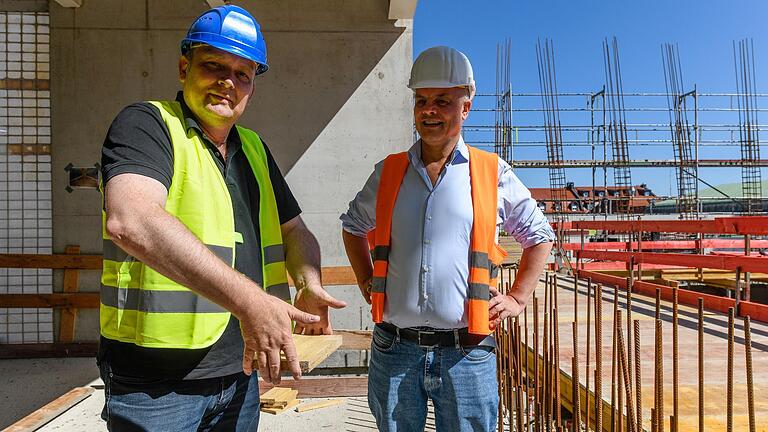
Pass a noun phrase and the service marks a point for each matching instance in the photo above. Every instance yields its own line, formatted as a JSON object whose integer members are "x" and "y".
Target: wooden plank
{"x": 44, "y": 350}
{"x": 310, "y": 387}
{"x": 55, "y": 300}
{"x": 24, "y": 84}
{"x": 282, "y": 399}
{"x": 317, "y": 405}
{"x": 292, "y": 404}
{"x": 275, "y": 394}
{"x": 312, "y": 350}
{"x": 29, "y": 149}
{"x": 61, "y": 261}
{"x": 71, "y": 285}
{"x": 50, "y": 411}
{"x": 354, "y": 339}
{"x": 333, "y": 276}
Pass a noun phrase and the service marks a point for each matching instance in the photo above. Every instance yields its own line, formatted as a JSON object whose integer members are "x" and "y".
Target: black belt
{"x": 438, "y": 337}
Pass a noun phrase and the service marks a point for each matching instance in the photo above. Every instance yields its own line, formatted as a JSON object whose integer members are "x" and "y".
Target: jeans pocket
{"x": 382, "y": 341}
{"x": 477, "y": 352}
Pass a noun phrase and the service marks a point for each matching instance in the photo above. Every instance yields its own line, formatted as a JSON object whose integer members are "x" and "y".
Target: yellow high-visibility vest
{"x": 143, "y": 307}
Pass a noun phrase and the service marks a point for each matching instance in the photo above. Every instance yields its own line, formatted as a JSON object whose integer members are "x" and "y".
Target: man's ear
{"x": 183, "y": 68}
{"x": 466, "y": 106}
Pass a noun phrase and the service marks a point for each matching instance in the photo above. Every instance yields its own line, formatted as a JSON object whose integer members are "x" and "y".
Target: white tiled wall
{"x": 25, "y": 180}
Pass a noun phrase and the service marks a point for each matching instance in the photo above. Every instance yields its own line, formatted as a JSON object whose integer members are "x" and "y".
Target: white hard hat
{"x": 442, "y": 67}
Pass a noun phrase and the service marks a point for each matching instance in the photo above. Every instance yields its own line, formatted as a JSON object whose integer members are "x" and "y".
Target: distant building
{"x": 600, "y": 199}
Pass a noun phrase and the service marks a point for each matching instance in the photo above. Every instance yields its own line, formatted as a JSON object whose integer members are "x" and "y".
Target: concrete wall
{"x": 333, "y": 102}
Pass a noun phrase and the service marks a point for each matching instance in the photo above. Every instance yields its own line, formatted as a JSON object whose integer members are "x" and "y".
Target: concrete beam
{"x": 402, "y": 9}
{"x": 70, "y": 3}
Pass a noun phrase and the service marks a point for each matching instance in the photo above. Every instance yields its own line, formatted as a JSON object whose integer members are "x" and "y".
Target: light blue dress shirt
{"x": 431, "y": 228}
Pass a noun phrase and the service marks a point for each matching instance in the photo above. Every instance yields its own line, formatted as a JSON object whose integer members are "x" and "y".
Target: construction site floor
{"x": 715, "y": 356}
{"x": 33, "y": 383}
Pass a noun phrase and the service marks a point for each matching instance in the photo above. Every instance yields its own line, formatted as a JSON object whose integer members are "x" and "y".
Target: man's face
{"x": 439, "y": 113}
{"x": 217, "y": 85}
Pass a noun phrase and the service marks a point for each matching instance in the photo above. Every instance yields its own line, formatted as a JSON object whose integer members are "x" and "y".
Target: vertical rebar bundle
{"x": 687, "y": 185}
{"x": 545, "y": 56}
{"x": 749, "y": 138}
{"x": 617, "y": 127}
{"x": 503, "y": 129}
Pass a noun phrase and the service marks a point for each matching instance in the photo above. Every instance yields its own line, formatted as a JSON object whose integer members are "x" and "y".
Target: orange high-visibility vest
{"x": 486, "y": 255}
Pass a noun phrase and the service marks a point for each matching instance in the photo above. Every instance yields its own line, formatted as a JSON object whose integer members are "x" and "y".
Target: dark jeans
{"x": 460, "y": 381}
{"x": 229, "y": 403}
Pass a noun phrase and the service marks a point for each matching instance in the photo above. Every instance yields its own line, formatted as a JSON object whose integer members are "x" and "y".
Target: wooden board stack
{"x": 279, "y": 399}
{"x": 312, "y": 350}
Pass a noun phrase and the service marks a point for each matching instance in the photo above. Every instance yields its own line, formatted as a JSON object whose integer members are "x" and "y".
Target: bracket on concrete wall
{"x": 82, "y": 177}
{"x": 70, "y": 3}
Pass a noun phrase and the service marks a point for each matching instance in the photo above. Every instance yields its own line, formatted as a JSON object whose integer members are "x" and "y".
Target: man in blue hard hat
{"x": 200, "y": 229}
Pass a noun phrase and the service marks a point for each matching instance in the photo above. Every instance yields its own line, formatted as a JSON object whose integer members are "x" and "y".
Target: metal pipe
{"x": 638, "y": 381}
{"x": 625, "y": 373}
{"x": 599, "y": 358}
{"x": 675, "y": 362}
{"x": 527, "y": 377}
{"x": 750, "y": 384}
{"x": 729, "y": 397}
{"x": 614, "y": 357}
{"x": 575, "y": 379}
{"x": 556, "y": 371}
{"x": 701, "y": 363}
{"x": 536, "y": 375}
{"x": 659, "y": 377}
{"x": 589, "y": 319}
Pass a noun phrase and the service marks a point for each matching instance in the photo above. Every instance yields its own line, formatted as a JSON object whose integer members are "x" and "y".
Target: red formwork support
{"x": 754, "y": 225}
{"x": 756, "y": 311}
{"x": 667, "y": 244}
{"x": 742, "y": 263}
{"x": 621, "y": 265}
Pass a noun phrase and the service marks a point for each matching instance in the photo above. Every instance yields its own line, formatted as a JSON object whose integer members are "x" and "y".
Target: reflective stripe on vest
{"x": 140, "y": 305}
{"x": 485, "y": 254}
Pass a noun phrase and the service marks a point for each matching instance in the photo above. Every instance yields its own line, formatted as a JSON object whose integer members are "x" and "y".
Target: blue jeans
{"x": 461, "y": 381}
{"x": 229, "y": 403}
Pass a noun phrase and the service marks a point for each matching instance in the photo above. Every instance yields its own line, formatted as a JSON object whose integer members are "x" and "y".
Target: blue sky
{"x": 703, "y": 30}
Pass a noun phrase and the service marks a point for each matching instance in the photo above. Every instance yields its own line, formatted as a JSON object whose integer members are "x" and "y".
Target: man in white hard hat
{"x": 431, "y": 216}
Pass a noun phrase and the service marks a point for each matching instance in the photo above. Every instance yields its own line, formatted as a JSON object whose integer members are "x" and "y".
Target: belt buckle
{"x": 424, "y": 332}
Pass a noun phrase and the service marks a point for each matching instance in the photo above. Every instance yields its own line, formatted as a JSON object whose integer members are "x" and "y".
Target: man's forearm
{"x": 162, "y": 242}
{"x": 302, "y": 254}
{"x": 358, "y": 255}
{"x": 531, "y": 264}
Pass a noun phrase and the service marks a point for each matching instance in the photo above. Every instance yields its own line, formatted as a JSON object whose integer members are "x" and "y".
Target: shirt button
{"x": 425, "y": 268}
{"x": 427, "y": 241}
{"x": 429, "y": 217}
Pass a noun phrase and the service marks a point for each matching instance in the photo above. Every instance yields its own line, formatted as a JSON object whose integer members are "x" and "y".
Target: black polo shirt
{"x": 138, "y": 142}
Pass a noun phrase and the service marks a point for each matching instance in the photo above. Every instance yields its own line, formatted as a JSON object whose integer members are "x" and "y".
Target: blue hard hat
{"x": 231, "y": 29}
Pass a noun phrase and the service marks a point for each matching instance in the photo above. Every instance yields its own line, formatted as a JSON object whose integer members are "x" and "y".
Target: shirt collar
{"x": 460, "y": 153}
{"x": 190, "y": 122}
